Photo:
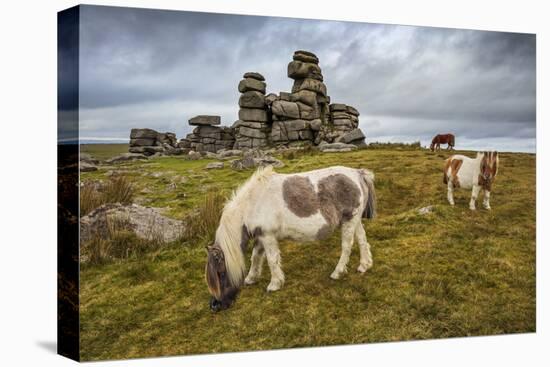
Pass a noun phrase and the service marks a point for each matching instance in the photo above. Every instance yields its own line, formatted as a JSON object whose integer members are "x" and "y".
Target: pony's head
{"x": 488, "y": 167}
{"x": 219, "y": 284}
{"x": 432, "y": 146}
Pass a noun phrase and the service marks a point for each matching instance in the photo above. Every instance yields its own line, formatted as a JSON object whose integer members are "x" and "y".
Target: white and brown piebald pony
{"x": 270, "y": 207}
{"x": 467, "y": 173}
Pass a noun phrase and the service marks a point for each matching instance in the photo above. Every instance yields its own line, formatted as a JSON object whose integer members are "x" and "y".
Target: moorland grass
{"x": 449, "y": 273}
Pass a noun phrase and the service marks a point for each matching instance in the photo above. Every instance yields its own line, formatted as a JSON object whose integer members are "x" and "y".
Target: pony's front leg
{"x": 364, "y": 248}
{"x": 256, "y": 263}
{"x": 450, "y": 189}
{"x": 273, "y": 255}
{"x": 486, "y": 199}
{"x": 348, "y": 230}
{"x": 475, "y": 193}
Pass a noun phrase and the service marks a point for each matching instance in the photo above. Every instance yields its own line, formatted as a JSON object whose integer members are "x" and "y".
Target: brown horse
{"x": 442, "y": 139}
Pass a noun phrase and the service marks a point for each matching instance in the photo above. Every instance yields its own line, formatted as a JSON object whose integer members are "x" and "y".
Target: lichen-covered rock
{"x": 336, "y": 147}
{"x": 300, "y": 70}
{"x": 254, "y": 75}
{"x": 252, "y": 99}
{"x": 338, "y": 107}
{"x": 288, "y": 110}
{"x": 124, "y": 157}
{"x": 143, "y": 134}
{"x": 251, "y": 84}
{"x": 87, "y": 167}
{"x": 309, "y": 84}
{"x": 214, "y": 165}
{"x": 355, "y": 135}
{"x": 146, "y": 223}
{"x": 253, "y": 114}
{"x": 205, "y": 120}
{"x": 305, "y": 56}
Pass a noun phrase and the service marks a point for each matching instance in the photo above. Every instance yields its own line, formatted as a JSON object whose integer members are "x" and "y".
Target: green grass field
{"x": 449, "y": 273}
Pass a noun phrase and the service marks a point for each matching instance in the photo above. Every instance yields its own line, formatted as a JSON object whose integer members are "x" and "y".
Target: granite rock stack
{"x": 207, "y": 136}
{"x": 303, "y": 116}
{"x": 252, "y": 127}
{"x": 149, "y": 142}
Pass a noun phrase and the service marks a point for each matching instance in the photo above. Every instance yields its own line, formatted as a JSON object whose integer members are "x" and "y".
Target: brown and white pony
{"x": 442, "y": 139}
{"x": 467, "y": 173}
{"x": 270, "y": 207}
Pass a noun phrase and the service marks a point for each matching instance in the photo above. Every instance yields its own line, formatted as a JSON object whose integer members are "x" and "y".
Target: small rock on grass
{"x": 426, "y": 210}
{"x": 214, "y": 165}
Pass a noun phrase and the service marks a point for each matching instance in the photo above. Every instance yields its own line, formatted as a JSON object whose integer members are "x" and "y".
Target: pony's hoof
{"x": 250, "y": 281}
{"x": 274, "y": 286}
{"x": 487, "y": 207}
{"x": 472, "y": 208}
{"x": 363, "y": 268}
{"x": 335, "y": 275}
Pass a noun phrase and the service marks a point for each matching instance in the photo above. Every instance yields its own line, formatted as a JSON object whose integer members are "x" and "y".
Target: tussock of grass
{"x": 118, "y": 189}
{"x": 119, "y": 242}
{"x": 449, "y": 273}
{"x": 202, "y": 224}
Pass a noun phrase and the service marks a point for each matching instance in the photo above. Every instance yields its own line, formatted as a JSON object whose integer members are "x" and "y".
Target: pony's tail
{"x": 370, "y": 208}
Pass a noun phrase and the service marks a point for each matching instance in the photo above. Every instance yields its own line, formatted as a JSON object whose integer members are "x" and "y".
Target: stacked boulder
{"x": 345, "y": 125}
{"x": 206, "y": 136}
{"x": 149, "y": 142}
{"x": 299, "y": 116}
{"x": 252, "y": 128}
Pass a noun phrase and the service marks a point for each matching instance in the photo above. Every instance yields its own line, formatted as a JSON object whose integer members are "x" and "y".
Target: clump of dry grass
{"x": 118, "y": 241}
{"x": 118, "y": 189}
{"x": 90, "y": 199}
{"x": 203, "y": 222}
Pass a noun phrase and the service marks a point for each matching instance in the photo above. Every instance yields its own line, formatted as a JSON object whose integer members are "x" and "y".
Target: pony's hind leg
{"x": 348, "y": 231}
{"x": 273, "y": 255}
{"x": 256, "y": 263}
{"x": 364, "y": 249}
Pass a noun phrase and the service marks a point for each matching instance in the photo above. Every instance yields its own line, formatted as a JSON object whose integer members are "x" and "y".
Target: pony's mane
{"x": 229, "y": 232}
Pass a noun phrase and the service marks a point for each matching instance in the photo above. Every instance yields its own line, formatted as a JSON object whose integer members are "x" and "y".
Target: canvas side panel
{"x": 67, "y": 183}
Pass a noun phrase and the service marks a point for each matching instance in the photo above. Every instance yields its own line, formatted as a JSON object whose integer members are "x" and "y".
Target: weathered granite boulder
{"x": 214, "y": 165}
{"x": 309, "y": 84}
{"x": 251, "y": 84}
{"x": 146, "y": 223}
{"x": 336, "y": 147}
{"x": 305, "y": 56}
{"x": 143, "y": 134}
{"x": 355, "y": 135}
{"x": 301, "y": 70}
{"x": 254, "y": 75}
{"x": 124, "y": 157}
{"x": 253, "y": 114}
{"x": 285, "y": 110}
{"x": 201, "y": 120}
{"x": 252, "y": 99}
{"x": 87, "y": 167}
{"x": 249, "y": 161}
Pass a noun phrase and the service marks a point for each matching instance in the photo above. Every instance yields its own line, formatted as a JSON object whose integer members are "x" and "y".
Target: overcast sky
{"x": 157, "y": 69}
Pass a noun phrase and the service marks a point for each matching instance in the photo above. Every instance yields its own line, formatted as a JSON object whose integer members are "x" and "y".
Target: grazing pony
{"x": 442, "y": 139}
{"x": 270, "y": 207}
{"x": 467, "y": 173}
